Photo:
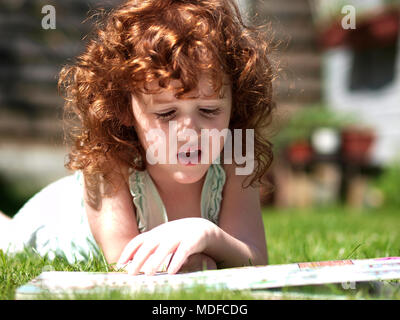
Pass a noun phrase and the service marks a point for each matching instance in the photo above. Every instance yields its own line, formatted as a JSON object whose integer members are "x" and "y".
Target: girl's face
{"x": 162, "y": 120}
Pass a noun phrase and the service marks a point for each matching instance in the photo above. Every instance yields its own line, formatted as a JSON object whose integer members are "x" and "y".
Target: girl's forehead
{"x": 204, "y": 90}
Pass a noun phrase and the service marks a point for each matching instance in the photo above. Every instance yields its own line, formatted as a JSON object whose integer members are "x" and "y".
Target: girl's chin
{"x": 190, "y": 174}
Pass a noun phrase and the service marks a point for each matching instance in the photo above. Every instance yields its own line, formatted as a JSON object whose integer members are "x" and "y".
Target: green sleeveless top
{"x": 150, "y": 210}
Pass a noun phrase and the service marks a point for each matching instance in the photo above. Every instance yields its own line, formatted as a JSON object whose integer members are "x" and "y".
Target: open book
{"x": 244, "y": 278}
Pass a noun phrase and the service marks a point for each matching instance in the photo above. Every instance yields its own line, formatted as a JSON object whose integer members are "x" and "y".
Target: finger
{"x": 130, "y": 249}
{"x": 158, "y": 258}
{"x": 140, "y": 257}
{"x": 150, "y": 267}
{"x": 194, "y": 262}
{"x": 180, "y": 256}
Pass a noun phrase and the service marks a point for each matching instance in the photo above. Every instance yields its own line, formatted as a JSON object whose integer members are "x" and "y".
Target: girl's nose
{"x": 188, "y": 123}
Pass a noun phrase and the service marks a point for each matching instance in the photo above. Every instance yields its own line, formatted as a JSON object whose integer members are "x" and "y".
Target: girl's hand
{"x": 198, "y": 262}
{"x": 181, "y": 238}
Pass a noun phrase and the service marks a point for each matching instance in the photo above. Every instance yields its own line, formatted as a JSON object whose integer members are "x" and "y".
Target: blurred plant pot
{"x": 376, "y": 30}
{"x": 385, "y": 27}
{"x": 299, "y": 152}
{"x": 356, "y": 144}
{"x": 333, "y": 36}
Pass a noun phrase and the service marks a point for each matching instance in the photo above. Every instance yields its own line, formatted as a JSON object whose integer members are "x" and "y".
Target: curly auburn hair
{"x": 146, "y": 40}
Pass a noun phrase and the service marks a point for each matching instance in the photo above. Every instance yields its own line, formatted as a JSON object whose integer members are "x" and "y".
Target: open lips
{"x": 189, "y": 157}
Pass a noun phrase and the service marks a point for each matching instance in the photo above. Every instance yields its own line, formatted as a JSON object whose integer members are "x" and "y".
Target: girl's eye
{"x": 165, "y": 115}
{"x": 210, "y": 112}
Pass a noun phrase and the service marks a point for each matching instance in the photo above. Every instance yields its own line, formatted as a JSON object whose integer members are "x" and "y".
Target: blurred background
{"x": 336, "y": 131}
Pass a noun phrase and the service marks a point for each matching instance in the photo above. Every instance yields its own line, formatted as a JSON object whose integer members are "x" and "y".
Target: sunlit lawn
{"x": 292, "y": 236}
{"x": 330, "y": 234}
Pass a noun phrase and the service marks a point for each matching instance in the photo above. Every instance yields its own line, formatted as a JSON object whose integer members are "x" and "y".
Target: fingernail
{"x": 120, "y": 266}
{"x": 119, "y": 263}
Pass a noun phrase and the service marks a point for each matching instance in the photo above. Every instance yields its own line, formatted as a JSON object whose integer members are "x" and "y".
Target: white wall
{"x": 379, "y": 108}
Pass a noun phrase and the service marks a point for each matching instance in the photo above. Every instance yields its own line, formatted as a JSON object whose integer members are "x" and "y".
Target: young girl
{"x": 151, "y": 63}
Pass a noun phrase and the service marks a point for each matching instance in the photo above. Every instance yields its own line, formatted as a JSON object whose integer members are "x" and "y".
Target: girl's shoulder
{"x": 107, "y": 186}
{"x": 233, "y": 176}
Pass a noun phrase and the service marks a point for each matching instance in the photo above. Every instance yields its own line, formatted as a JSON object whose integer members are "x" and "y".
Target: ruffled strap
{"x": 150, "y": 210}
{"x": 211, "y": 194}
{"x": 136, "y": 186}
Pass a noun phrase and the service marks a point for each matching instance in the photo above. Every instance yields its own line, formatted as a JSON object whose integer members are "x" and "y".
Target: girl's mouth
{"x": 189, "y": 158}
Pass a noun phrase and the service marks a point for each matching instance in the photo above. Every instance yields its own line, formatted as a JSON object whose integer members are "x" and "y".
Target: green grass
{"x": 292, "y": 236}
{"x": 195, "y": 293}
{"x": 331, "y": 234}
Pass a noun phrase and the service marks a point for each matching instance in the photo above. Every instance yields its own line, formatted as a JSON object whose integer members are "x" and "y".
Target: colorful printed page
{"x": 245, "y": 278}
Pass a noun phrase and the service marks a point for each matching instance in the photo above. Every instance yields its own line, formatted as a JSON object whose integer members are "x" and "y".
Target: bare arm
{"x": 113, "y": 225}
{"x": 240, "y": 238}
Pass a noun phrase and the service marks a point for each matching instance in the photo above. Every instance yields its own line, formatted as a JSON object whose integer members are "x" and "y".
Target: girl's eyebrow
{"x": 166, "y": 101}
{"x": 162, "y": 101}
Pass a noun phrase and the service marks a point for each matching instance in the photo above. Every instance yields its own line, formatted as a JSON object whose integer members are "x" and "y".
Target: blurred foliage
{"x": 303, "y": 122}
{"x": 389, "y": 184}
{"x": 13, "y": 195}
